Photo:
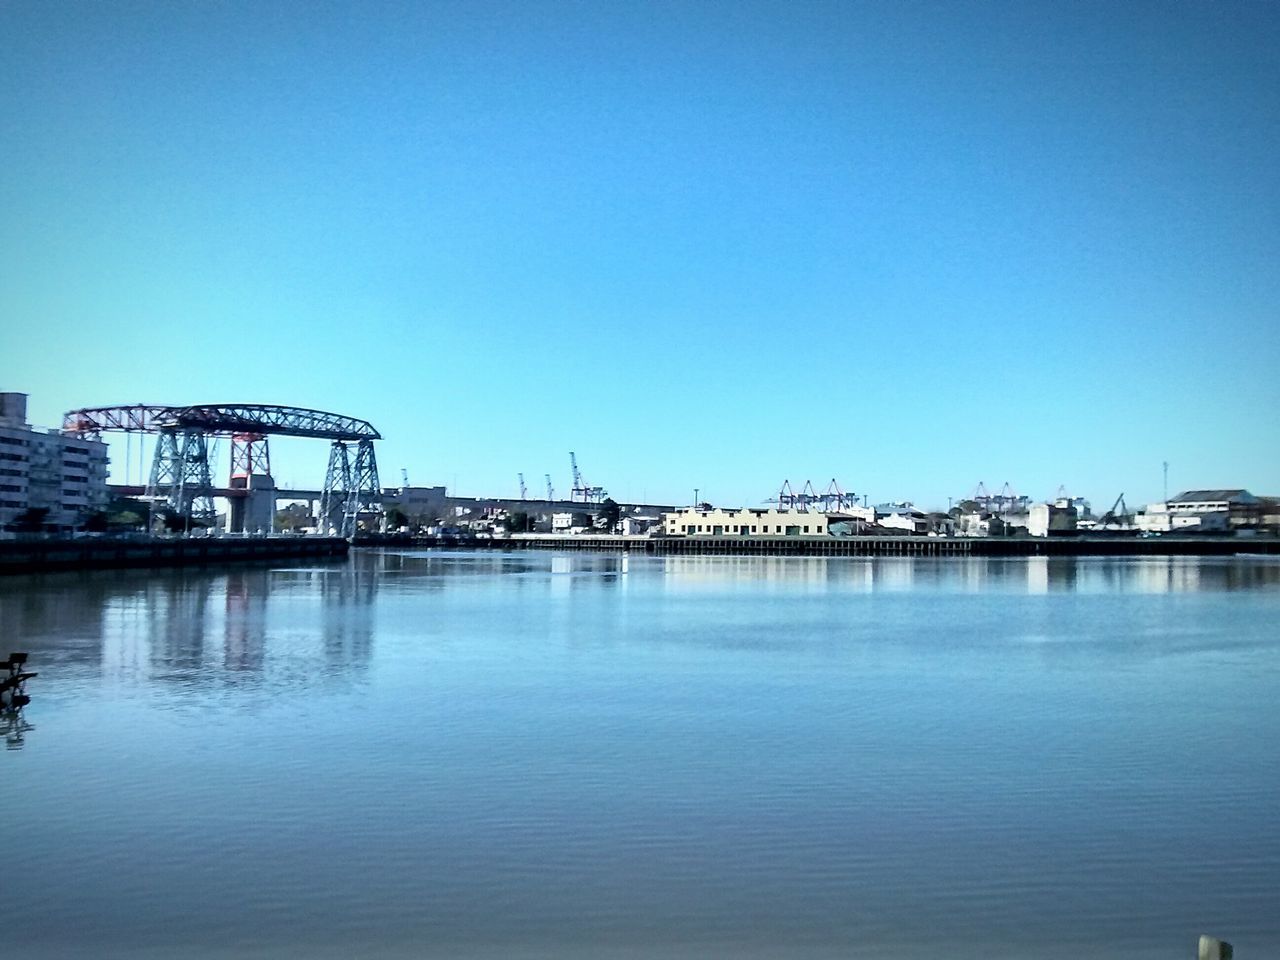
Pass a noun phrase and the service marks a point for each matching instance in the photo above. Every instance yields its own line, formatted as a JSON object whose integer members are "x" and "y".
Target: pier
{"x": 29, "y": 556}
{"x": 861, "y": 546}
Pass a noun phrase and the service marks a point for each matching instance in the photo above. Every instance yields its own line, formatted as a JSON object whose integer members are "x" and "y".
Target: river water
{"x": 485, "y": 755}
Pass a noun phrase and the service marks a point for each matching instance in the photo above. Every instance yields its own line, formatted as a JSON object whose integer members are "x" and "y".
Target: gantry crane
{"x": 581, "y": 490}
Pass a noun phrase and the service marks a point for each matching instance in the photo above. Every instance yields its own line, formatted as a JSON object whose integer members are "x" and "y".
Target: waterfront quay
{"x": 27, "y": 556}
{"x": 864, "y": 546}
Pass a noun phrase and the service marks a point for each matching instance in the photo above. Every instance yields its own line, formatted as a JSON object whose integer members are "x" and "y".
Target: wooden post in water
{"x": 1211, "y": 949}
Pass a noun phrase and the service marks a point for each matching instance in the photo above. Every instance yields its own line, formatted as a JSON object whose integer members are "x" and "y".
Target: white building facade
{"x": 744, "y": 522}
{"x": 1204, "y": 511}
{"x": 45, "y": 470}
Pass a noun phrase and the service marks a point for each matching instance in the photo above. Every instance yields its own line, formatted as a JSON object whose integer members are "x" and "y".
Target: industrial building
{"x": 47, "y": 470}
{"x": 744, "y": 522}
{"x": 426, "y": 507}
{"x": 1205, "y": 511}
{"x": 1056, "y": 519}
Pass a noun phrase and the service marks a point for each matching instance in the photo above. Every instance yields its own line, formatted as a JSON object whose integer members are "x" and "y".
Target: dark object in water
{"x": 12, "y": 682}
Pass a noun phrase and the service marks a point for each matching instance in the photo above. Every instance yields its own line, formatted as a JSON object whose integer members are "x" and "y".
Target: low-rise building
{"x": 1205, "y": 511}
{"x": 1243, "y": 509}
{"x": 902, "y": 516}
{"x": 570, "y": 522}
{"x": 637, "y": 526}
{"x": 45, "y": 470}
{"x": 1052, "y": 519}
{"x": 851, "y": 521}
{"x": 1270, "y": 515}
{"x": 744, "y": 522}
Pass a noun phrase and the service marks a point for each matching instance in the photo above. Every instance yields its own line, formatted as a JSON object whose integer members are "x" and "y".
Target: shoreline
{"x": 105, "y": 553}
{"x": 857, "y": 546}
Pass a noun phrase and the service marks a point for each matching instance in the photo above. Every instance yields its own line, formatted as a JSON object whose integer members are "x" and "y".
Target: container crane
{"x": 581, "y": 490}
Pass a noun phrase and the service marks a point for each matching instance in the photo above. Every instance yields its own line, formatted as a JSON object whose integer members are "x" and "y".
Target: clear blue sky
{"x": 911, "y": 246}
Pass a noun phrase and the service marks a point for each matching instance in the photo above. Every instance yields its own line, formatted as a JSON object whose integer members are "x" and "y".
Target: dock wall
{"x": 28, "y": 556}
{"x": 868, "y": 546}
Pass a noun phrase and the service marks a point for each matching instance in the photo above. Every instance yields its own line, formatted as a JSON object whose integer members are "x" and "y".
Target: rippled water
{"x": 535, "y": 755}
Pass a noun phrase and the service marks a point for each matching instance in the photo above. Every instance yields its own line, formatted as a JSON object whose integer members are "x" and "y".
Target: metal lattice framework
{"x": 249, "y": 455}
{"x": 351, "y": 488}
{"x": 181, "y": 473}
{"x": 221, "y": 419}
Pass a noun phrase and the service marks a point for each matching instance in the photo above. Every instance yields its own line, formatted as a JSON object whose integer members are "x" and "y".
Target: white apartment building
{"x": 744, "y": 522}
{"x": 44, "y": 469}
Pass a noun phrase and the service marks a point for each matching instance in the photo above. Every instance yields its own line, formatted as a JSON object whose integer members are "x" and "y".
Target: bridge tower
{"x": 337, "y": 482}
{"x": 181, "y": 476}
{"x": 365, "y": 495}
{"x": 249, "y": 455}
{"x": 351, "y": 488}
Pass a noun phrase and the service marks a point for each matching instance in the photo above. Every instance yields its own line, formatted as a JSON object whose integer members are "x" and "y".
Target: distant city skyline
{"x": 715, "y": 246}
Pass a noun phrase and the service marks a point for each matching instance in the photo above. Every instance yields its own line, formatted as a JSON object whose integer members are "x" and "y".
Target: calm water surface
{"x": 535, "y": 755}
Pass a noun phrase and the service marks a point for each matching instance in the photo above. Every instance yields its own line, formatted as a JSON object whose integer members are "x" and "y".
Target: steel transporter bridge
{"x": 181, "y": 478}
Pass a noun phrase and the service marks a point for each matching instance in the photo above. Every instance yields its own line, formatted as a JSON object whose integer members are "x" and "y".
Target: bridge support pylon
{"x": 250, "y": 456}
{"x": 365, "y": 497}
{"x": 351, "y": 489}
{"x": 182, "y": 478}
{"x": 333, "y": 498}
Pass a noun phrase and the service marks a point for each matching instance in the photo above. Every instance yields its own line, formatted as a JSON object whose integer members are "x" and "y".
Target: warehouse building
{"x": 744, "y": 522}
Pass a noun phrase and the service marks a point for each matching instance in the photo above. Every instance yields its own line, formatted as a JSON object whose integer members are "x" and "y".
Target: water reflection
{"x": 177, "y": 614}
{"x": 347, "y": 603}
{"x": 1035, "y": 575}
{"x": 272, "y": 626}
{"x": 245, "y": 621}
{"x": 14, "y": 727}
{"x": 197, "y": 627}
{"x": 35, "y": 616}
{"x": 545, "y": 753}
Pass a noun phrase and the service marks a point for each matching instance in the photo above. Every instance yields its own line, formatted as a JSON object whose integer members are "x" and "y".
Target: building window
{"x": 806, "y": 529}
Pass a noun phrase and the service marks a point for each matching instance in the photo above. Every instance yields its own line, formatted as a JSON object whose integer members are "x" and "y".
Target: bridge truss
{"x": 181, "y": 471}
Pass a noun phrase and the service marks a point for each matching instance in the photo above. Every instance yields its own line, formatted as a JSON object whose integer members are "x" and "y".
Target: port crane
{"x": 1118, "y": 515}
{"x": 788, "y": 499}
{"x": 581, "y": 490}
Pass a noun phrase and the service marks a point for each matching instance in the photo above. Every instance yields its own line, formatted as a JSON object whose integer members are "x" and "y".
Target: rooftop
{"x": 1214, "y": 496}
